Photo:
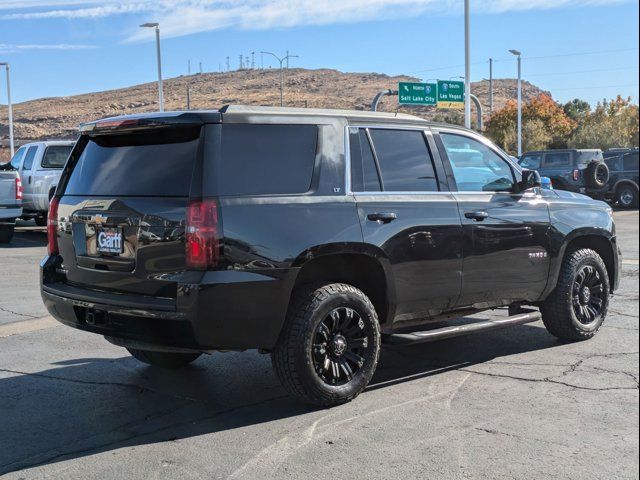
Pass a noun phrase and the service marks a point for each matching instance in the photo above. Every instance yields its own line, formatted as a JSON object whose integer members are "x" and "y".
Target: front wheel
{"x": 329, "y": 347}
{"x": 578, "y": 305}
{"x": 163, "y": 359}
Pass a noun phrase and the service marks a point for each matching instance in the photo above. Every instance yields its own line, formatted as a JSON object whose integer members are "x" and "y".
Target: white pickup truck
{"x": 39, "y": 165}
{"x": 10, "y": 203}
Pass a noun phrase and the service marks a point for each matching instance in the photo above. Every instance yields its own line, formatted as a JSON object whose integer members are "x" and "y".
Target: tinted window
{"x": 28, "y": 158}
{"x": 531, "y": 161}
{"x": 476, "y": 168}
{"x": 557, "y": 159}
{"x": 55, "y": 156}
{"x": 17, "y": 158}
{"x": 630, "y": 161}
{"x": 364, "y": 175}
{"x": 405, "y": 162}
{"x": 142, "y": 164}
{"x": 266, "y": 159}
{"x": 613, "y": 163}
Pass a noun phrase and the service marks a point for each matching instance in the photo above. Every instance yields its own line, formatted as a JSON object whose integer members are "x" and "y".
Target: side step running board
{"x": 459, "y": 330}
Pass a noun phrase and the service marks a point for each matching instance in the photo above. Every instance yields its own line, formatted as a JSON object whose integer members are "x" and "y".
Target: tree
{"x": 577, "y": 109}
{"x": 612, "y": 124}
{"x": 545, "y": 125}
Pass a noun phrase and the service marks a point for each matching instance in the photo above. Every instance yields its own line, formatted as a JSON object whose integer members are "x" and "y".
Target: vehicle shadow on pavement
{"x": 28, "y": 239}
{"x": 87, "y": 406}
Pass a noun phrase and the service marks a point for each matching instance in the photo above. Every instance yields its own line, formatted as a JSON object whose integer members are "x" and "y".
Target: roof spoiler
{"x": 131, "y": 123}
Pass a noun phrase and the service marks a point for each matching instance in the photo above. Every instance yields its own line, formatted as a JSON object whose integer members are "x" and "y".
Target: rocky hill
{"x": 59, "y": 117}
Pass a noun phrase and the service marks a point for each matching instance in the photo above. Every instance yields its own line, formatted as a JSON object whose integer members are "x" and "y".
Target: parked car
{"x": 580, "y": 171}
{"x": 315, "y": 236}
{"x": 39, "y": 165}
{"x": 10, "y": 203}
{"x": 622, "y": 187}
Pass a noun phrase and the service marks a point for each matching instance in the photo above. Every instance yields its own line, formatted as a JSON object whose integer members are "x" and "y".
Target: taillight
{"x": 18, "y": 189}
{"x": 576, "y": 175}
{"x": 201, "y": 239}
{"x": 52, "y": 227}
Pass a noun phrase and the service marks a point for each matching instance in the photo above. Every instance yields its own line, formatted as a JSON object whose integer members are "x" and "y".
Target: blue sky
{"x": 586, "y": 49}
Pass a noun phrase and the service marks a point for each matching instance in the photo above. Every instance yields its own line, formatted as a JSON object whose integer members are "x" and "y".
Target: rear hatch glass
{"x": 124, "y": 207}
{"x": 154, "y": 164}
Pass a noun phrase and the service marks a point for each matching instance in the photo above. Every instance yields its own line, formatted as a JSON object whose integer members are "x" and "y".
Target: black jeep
{"x": 314, "y": 235}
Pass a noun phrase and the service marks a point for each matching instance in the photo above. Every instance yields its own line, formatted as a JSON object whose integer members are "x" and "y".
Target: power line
{"x": 595, "y": 87}
{"x": 581, "y": 71}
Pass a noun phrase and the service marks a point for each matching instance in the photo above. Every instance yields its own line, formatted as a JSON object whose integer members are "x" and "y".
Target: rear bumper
{"x": 9, "y": 213}
{"x": 231, "y": 310}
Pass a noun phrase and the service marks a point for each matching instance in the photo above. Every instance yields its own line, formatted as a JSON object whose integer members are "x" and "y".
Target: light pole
{"x": 467, "y": 67}
{"x": 519, "y": 55}
{"x": 490, "y": 87}
{"x": 160, "y": 95}
{"x": 281, "y": 61}
{"x": 9, "y": 108}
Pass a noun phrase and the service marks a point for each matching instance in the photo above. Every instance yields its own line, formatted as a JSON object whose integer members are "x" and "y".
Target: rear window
{"x": 141, "y": 164}
{"x": 531, "y": 161}
{"x": 55, "y": 156}
{"x": 266, "y": 159}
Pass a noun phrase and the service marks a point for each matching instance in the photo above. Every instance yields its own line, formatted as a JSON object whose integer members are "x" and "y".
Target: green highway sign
{"x": 450, "y": 94}
{"x": 413, "y": 93}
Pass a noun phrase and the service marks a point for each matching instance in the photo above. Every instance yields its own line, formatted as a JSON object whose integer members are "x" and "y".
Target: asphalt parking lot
{"x": 515, "y": 403}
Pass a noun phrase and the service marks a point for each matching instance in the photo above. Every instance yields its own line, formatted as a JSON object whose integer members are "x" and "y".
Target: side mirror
{"x": 530, "y": 179}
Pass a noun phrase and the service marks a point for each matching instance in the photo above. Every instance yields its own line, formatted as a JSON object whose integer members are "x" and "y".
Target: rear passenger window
{"x": 55, "y": 156}
{"x": 29, "y": 157}
{"x": 404, "y": 160}
{"x": 557, "y": 159}
{"x": 630, "y": 162}
{"x": 364, "y": 175}
{"x": 266, "y": 159}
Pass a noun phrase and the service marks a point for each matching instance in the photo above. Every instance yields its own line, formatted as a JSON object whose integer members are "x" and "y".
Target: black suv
{"x": 313, "y": 235}
{"x": 622, "y": 187}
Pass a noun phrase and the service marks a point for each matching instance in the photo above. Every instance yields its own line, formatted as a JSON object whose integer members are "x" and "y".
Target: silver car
{"x": 39, "y": 165}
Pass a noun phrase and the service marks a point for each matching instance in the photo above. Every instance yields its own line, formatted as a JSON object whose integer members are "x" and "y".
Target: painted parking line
{"x": 630, "y": 261}
{"x": 27, "y": 326}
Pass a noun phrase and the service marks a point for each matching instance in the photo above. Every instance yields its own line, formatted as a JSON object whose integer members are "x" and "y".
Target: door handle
{"x": 382, "y": 217}
{"x": 477, "y": 216}
{"x": 29, "y": 180}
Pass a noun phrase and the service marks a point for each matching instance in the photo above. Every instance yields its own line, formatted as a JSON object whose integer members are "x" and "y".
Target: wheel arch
{"x": 623, "y": 182}
{"x": 363, "y": 266}
{"x": 601, "y": 241}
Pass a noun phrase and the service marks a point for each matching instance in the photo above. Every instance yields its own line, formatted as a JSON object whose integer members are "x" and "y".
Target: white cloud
{"x": 185, "y": 17}
{"x": 8, "y": 48}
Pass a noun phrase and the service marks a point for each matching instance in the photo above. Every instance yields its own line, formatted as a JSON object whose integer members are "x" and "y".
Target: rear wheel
{"x": 6, "y": 233}
{"x": 329, "y": 347}
{"x": 627, "y": 196}
{"x": 163, "y": 359}
{"x": 577, "y": 307}
{"x": 41, "y": 220}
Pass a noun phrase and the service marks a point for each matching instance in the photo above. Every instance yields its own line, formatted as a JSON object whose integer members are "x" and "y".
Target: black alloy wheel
{"x": 588, "y": 294}
{"x": 339, "y": 346}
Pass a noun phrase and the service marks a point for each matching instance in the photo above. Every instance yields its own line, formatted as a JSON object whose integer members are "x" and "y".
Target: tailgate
{"x": 8, "y": 189}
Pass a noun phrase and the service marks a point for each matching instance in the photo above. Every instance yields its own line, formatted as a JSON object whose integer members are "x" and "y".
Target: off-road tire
{"x": 6, "y": 233}
{"x": 558, "y": 313}
{"x": 596, "y": 175}
{"x": 627, "y": 196}
{"x": 164, "y": 359}
{"x": 292, "y": 356}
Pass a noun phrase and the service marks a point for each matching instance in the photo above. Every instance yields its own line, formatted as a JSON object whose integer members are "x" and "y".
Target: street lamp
{"x": 11, "y": 146}
{"x": 467, "y": 67}
{"x": 519, "y": 55}
{"x": 281, "y": 61}
{"x": 160, "y": 95}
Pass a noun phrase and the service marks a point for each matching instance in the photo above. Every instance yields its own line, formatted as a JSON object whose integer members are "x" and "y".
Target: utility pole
{"x": 9, "y": 108}
{"x": 281, "y": 61}
{"x": 467, "y": 67}
{"x": 160, "y": 94}
{"x": 200, "y": 65}
{"x": 261, "y": 61}
{"x": 490, "y": 86}
{"x": 287, "y": 57}
{"x": 228, "y": 64}
{"x": 188, "y": 67}
{"x": 241, "y": 62}
{"x": 253, "y": 60}
{"x": 519, "y": 55}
